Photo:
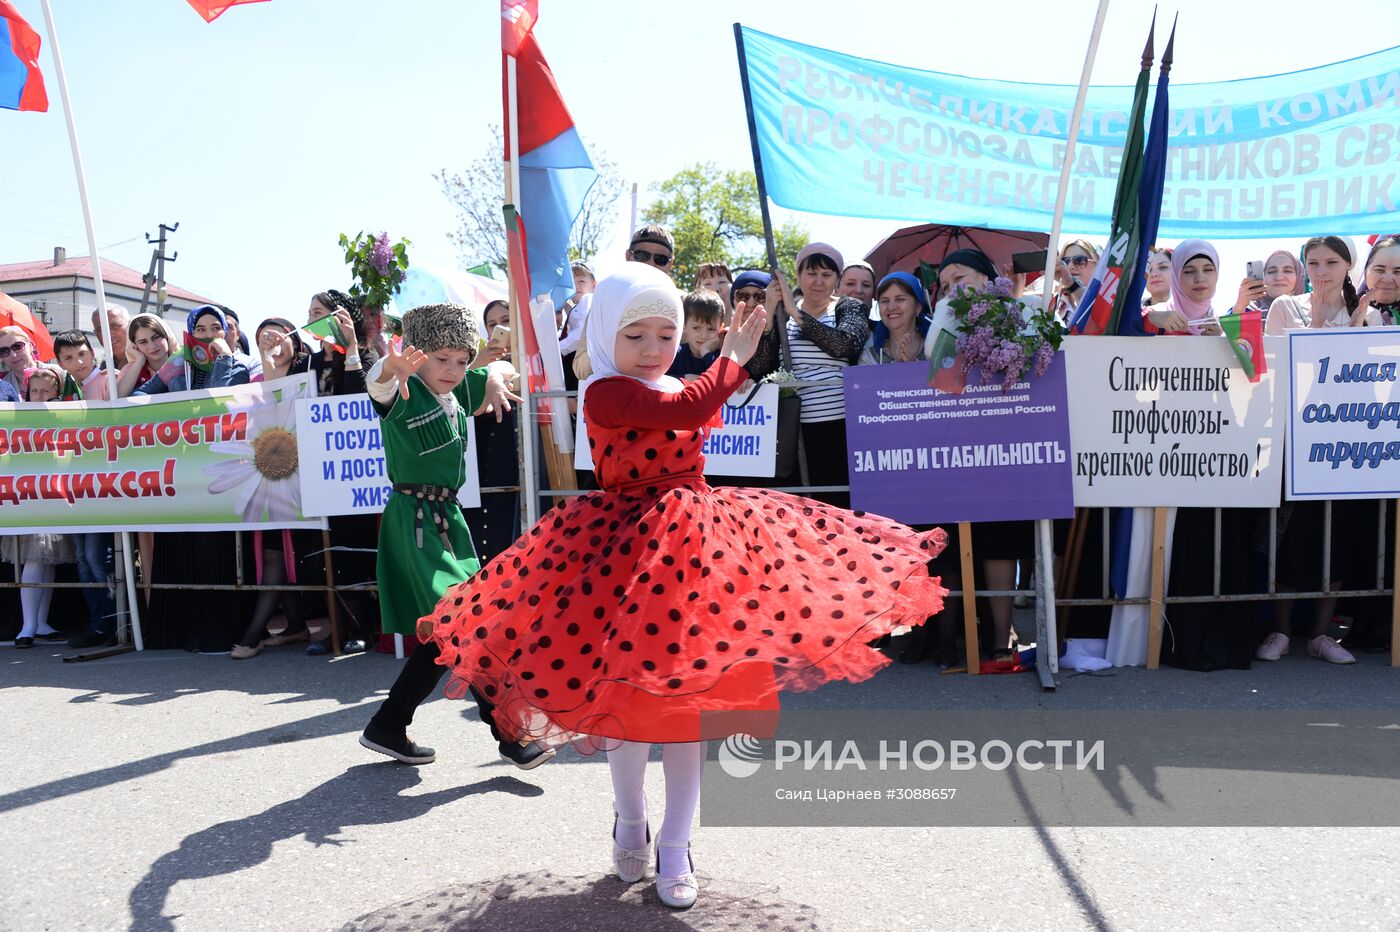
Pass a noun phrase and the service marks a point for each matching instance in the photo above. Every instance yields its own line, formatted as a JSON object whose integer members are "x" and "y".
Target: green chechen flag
{"x": 71, "y": 391}
{"x": 484, "y": 269}
{"x": 1245, "y": 332}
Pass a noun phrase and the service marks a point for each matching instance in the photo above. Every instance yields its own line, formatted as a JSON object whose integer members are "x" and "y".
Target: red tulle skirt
{"x": 625, "y": 617}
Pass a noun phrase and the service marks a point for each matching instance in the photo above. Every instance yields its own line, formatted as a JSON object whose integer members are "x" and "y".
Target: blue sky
{"x": 270, "y": 131}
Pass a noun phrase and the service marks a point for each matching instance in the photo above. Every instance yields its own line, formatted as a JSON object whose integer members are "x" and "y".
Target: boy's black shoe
{"x": 400, "y": 747}
{"x": 93, "y": 639}
{"x": 526, "y": 756}
{"x": 52, "y": 636}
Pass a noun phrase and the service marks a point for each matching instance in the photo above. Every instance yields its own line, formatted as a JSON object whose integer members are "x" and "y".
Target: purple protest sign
{"x": 923, "y": 456}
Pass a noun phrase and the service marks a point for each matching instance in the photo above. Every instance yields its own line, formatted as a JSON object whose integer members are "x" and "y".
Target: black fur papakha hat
{"x": 441, "y": 326}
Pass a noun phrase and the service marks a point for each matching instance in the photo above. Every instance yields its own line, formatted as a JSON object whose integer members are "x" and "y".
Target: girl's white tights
{"x": 35, "y": 602}
{"x": 681, "y": 764}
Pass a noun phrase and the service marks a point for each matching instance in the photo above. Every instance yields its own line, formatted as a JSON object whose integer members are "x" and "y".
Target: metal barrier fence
{"x": 1049, "y": 603}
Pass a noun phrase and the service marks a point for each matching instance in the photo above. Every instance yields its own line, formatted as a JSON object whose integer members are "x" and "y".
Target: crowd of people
{"x": 834, "y": 314}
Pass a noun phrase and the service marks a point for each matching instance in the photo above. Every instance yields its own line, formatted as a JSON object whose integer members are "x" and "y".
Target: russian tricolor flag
{"x": 555, "y": 170}
{"x": 21, "y": 84}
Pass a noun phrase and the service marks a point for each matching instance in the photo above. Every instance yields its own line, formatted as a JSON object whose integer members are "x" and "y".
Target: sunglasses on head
{"x": 16, "y": 346}
{"x": 1074, "y": 261}
{"x": 643, "y": 255}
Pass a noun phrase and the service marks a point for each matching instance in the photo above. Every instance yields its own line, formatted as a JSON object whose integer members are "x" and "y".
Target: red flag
{"x": 529, "y": 343}
{"x": 21, "y": 82}
{"x": 213, "y": 9}
{"x": 517, "y": 20}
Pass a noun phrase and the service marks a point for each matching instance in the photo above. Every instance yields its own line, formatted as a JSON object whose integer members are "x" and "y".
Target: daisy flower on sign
{"x": 264, "y": 475}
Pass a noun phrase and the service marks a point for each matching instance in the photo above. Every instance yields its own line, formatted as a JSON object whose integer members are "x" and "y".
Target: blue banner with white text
{"x": 1298, "y": 154}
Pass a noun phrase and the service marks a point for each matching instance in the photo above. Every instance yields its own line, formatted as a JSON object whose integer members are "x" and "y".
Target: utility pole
{"x": 156, "y": 276}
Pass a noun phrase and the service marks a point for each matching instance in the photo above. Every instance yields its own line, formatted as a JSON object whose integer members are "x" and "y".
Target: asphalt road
{"x": 173, "y": 791}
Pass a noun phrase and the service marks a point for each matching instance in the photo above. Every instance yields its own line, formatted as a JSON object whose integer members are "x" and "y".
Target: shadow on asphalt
{"x": 366, "y": 794}
{"x": 543, "y": 900}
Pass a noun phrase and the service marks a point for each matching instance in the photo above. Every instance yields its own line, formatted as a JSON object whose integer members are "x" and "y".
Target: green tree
{"x": 714, "y": 216}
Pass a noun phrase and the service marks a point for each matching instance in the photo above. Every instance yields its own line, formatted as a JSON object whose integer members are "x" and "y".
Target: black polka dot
{"x": 573, "y": 683}
{"x": 700, "y": 663}
{"x": 625, "y": 645}
{"x": 674, "y": 682}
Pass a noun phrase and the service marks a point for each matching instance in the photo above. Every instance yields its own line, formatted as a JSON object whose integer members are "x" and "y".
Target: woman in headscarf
{"x": 340, "y": 367}
{"x": 340, "y": 370}
{"x": 1194, "y": 279}
{"x": 280, "y": 349}
{"x": 1200, "y": 635}
{"x": 1382, "y": 271}
{"x": 751, "y": 287}
{"x": 206, "y": 362}
{"x": 275, "y": 554}
{"x": 997, "y": 544}
{"x": 825, "y": 335}
{"x": 858, "y": 281}
{"x": 904, "y": 319}
{"x": 1283, "y": 274}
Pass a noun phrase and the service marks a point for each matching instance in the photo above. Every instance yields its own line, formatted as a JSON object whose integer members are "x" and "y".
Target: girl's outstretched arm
{"x": 621, "y": 402}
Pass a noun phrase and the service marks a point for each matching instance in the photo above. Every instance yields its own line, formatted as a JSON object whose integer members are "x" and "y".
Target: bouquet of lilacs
{"x": 378, "y": 267}
{"x": 1002, "y": 336}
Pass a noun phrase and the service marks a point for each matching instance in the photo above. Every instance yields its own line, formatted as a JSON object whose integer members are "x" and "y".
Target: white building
{"x": 61, "y": 292}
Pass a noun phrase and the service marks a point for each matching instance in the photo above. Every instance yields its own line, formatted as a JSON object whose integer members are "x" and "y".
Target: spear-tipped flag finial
{"x": 1147, "y": 49}
{"x": 1171, "y": 42}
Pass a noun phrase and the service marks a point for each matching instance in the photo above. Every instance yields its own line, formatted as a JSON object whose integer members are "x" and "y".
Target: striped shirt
{"x": 810, "y": 363}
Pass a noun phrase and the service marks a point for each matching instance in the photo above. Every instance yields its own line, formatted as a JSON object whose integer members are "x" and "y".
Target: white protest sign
{"x": 745, "y": 446}
{"x": 1344, "y": 413}
{"x": 341, "y": 455}
{"x": 1171, "y": 421}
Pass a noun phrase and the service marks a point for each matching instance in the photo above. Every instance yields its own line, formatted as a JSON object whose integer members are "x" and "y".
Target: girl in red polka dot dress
{"x": 627, "y": 613}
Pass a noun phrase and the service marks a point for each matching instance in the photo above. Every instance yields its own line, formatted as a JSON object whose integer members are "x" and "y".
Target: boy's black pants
{"x": 417, "y": 680}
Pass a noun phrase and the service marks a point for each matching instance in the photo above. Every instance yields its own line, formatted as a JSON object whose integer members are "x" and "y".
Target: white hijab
{"x": 634, "y": 293}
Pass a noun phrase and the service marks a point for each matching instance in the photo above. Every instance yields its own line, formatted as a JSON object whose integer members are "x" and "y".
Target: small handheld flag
{"x": 945, "y": 368}
{"x": 198, "y": 354}
{"x": 1246, "y": 335}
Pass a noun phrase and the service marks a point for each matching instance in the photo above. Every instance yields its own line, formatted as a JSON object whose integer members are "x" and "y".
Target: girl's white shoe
{"x": 631, "y": 863}
{"x": 680, "y": 891}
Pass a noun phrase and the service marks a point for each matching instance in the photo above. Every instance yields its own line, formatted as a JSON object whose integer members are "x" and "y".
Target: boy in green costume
{"x": 424, "y": 396}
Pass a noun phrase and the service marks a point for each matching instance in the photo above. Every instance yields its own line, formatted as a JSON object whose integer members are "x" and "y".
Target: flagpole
{"x": 784, "y": 353}
{"x": 101, "y": 294}
{"x": 519, "y": 307}
{"x": 1047, "y": 637}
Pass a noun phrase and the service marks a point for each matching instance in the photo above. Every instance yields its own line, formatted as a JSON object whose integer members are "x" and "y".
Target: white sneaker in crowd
{"x": 1329, "y": 650}
{"x": 1274, "y": 647}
